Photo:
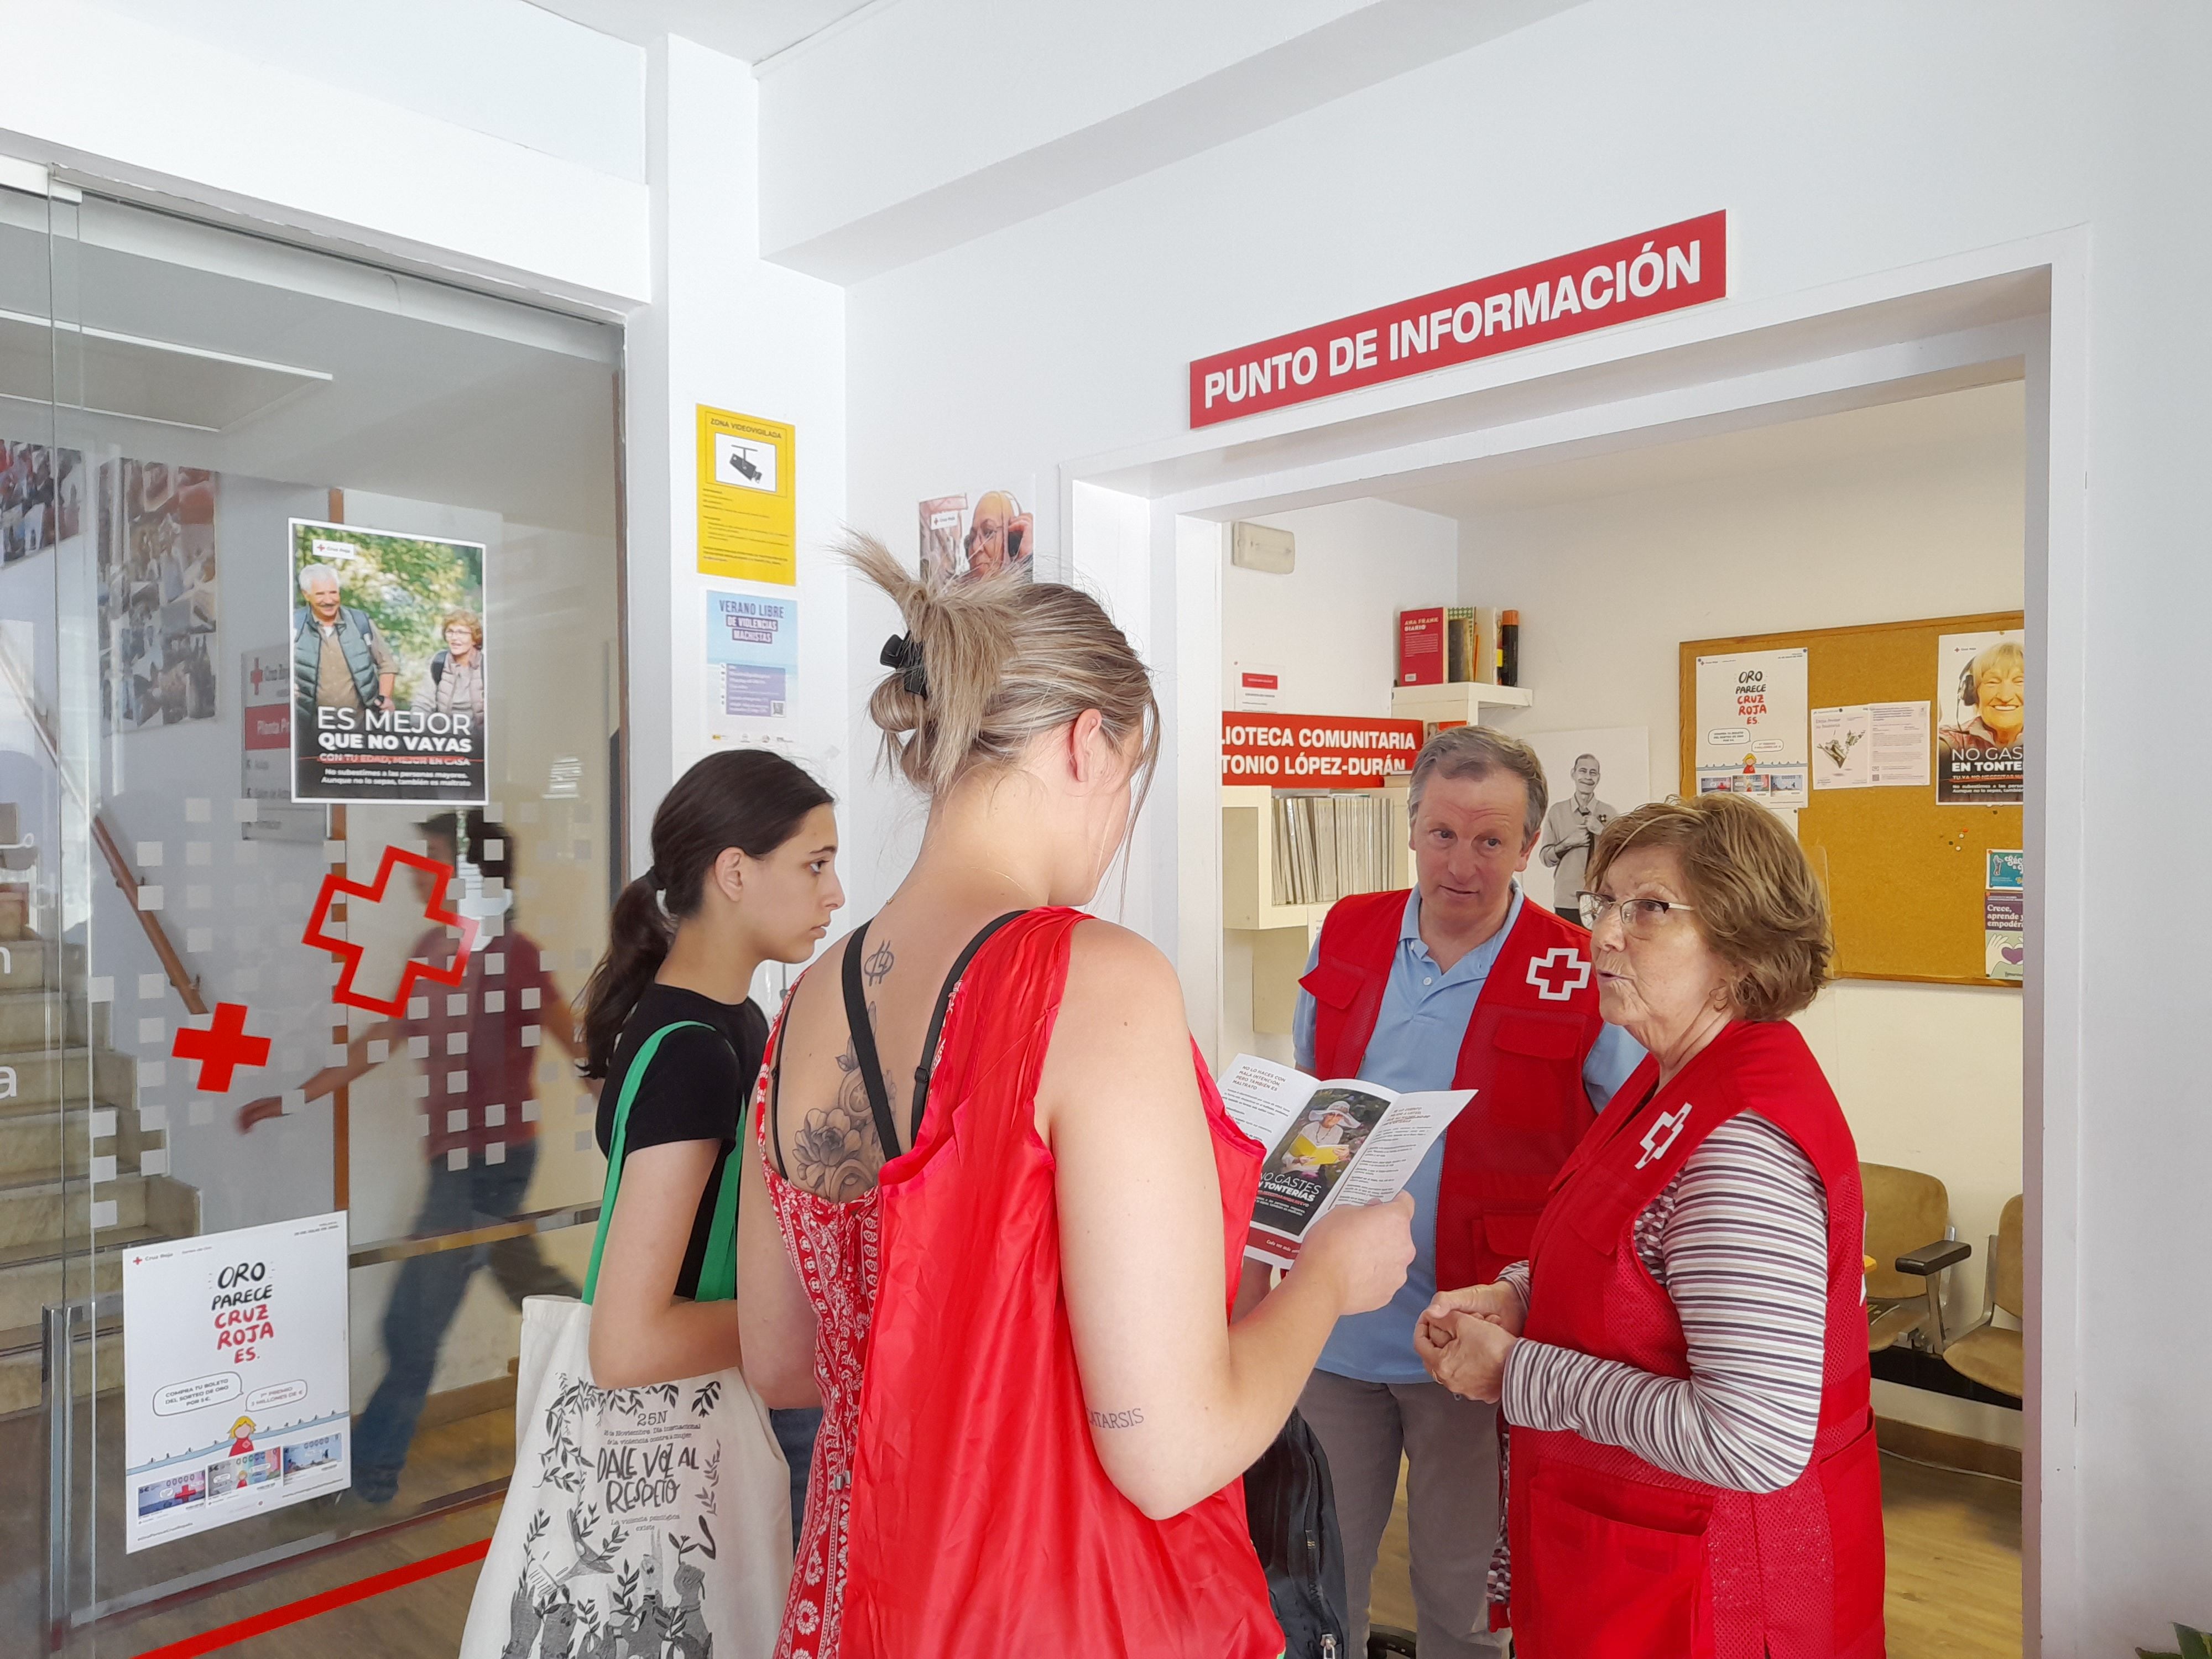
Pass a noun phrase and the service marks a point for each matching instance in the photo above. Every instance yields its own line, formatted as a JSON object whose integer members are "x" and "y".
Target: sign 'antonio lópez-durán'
{"x": 1664, "y": 270}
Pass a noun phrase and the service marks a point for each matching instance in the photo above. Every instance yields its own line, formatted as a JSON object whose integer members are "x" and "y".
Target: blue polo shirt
{"x": 1418, "y": 1032}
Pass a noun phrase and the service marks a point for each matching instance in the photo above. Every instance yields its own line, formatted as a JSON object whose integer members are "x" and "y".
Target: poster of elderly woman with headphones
{"x": 1981, "y": 697}
{"x": 389, "y": 691}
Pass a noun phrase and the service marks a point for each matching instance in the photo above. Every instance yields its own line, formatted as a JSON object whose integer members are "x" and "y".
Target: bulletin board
{"x": 1905, "y": 877}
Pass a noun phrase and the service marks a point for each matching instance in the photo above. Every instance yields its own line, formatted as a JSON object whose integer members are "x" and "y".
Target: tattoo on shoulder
{"x": 834, "y": 1152}
{"x": 1127, "y": 1419}
{"x": 877, "y": 965}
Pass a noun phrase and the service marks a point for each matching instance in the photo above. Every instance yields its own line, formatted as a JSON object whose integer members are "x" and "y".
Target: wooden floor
{"x": 1953, "y": 1565}
{"x": 1954, "y": 1572}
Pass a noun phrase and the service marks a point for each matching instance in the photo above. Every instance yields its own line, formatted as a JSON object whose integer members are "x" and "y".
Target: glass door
{"x": 308, "y": 727}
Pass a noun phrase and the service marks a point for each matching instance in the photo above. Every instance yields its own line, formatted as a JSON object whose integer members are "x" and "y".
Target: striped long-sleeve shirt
{"x": 1739, "y": 1240}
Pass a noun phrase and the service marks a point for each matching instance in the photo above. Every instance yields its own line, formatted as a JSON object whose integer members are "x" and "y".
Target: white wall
{"x": 1845, "y": 141}
{"x": 727, "y": 330}
{"x": 1331, "y": 626}
{"x": 1330, "y": 629}
{"x": 1880, "y": 515}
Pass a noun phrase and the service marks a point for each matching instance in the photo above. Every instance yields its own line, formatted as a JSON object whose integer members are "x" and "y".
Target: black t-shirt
{"x": 695, "y": 1089}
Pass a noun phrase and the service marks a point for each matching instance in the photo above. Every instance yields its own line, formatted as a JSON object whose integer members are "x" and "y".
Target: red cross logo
{"x": 1558, "y": 973}
{"x": 433, "y": 910}
{"x": 221, "y": 1047}
{"x": 1665, "y": 1130}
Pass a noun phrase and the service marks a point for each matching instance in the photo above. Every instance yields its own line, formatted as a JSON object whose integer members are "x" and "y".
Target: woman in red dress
{"x": 994, "y": 1209}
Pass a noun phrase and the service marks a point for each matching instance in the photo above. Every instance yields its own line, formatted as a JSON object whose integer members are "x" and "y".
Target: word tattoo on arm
{"x": 1127, "y": 1419}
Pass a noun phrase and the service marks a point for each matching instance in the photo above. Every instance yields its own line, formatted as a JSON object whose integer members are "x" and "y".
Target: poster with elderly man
{"x": 388, "y": 687}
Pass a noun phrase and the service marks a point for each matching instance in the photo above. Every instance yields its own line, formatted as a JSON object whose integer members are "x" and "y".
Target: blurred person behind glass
{"x": 482, "y": 1143}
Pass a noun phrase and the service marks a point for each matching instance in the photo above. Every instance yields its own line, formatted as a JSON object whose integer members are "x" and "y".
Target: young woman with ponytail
{"x": 744, "y": 872}
{"x": 1011, "y": 1275}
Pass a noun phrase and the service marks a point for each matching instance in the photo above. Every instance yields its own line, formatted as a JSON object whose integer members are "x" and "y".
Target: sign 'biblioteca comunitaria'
{"x": 1640, "y": 276}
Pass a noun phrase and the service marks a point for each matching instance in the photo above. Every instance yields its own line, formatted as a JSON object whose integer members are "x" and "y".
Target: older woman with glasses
{"x": 1682, "y": 1360}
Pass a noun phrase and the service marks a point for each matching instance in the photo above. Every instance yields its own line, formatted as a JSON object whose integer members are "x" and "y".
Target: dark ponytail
{"x": 748, "y": 798}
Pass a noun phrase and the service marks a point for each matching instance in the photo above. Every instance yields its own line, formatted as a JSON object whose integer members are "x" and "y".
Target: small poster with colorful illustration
{"x": 236, "y": 1377}
{"x": 1981, "y": 737}
{"x": 752, "y": 658}
{"x": 1753, "y": 726}
{"x": 390, "y": 697}
{"x": 2004, "y": 934}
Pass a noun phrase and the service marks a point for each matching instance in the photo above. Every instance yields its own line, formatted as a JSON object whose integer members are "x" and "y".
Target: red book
{"x": 1421, "y": 646}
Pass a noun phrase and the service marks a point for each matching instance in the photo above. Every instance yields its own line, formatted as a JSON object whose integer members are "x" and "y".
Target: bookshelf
{"x": 1282, "y": 933}
{"x": 1460, "y": 700}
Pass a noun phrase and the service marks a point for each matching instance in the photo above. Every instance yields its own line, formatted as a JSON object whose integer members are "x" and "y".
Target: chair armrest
{"x": 1931, "y": 1259}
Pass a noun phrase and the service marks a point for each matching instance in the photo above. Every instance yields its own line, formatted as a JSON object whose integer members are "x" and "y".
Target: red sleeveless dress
{"x": 956, "y": 1505}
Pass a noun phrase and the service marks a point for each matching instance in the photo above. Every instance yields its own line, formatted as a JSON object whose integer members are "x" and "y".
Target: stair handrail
{"x": 172, "y": 964}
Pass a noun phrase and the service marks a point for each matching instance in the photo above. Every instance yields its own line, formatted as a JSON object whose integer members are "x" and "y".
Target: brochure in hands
{"x": 1340, "y": 1141}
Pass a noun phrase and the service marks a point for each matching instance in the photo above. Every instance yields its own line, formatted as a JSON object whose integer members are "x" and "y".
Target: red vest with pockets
{"x": 1533, "y": 1024}
{"x": 1612, "y": 1555}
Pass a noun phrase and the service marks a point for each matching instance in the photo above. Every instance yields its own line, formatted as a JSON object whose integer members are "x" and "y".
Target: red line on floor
{"x": 292, "y": 1612}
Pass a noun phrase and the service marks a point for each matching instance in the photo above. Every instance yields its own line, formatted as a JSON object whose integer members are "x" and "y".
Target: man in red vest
{"x": 1457, "y": 984}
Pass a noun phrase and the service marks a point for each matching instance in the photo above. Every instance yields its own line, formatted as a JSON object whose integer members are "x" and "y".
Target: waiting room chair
{"x": 1907, "y": 1215}
{"x": 1985, "y": 1352}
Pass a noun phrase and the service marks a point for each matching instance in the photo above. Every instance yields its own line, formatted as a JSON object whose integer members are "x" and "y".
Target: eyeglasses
{"x": 1641, "y": 916}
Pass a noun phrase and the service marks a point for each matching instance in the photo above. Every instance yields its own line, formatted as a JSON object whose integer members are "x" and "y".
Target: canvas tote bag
{"x": 639, "y": 1521}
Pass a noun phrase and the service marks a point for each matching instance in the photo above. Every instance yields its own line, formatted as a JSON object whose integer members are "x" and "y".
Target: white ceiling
{"x": 1930, "y": 427}
{"x": 750, "y": 29}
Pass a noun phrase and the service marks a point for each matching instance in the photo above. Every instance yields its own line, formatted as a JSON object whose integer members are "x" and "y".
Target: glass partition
{"x": 309, "y": 754}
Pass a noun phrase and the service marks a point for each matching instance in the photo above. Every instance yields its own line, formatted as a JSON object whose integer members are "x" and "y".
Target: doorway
{"x": 1977, "y": 330}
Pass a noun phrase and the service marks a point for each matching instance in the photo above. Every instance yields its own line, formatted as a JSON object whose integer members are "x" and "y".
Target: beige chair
{"x": 1907, "y": 1215}
{"x": 1990, "y": 1353}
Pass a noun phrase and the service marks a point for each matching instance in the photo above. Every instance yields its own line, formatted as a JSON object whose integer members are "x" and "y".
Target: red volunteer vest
{"x": 1533, "y": 1024}
{"x": 1612, "y": 1555}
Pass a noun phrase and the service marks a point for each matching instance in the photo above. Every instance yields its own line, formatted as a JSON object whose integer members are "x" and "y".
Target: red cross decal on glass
{"x": 1558, "y": 973}
{"x": 221, "y": 1047}
{"x": 434, "y": 911}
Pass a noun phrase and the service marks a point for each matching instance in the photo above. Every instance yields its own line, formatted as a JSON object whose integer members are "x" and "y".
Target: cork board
{"x": 1905, "y": 877}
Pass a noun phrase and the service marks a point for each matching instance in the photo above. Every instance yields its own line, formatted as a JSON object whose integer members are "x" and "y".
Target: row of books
{"x": 1458, "y": 644}
{"x": 1328, "y": 846}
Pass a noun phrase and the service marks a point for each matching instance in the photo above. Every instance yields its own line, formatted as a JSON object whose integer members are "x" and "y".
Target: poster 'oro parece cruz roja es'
{"x": 236, "y": 1377}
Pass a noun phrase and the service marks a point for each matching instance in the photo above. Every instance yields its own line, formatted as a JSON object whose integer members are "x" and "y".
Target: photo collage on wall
{"x": 158, "y": 594}
{"x": 41, "y": 498}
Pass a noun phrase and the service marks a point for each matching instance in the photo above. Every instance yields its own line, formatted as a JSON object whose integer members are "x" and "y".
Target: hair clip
{"x": 903, "y": 653}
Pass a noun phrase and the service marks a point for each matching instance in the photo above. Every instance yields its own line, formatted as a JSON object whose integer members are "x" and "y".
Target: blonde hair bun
{"x": 1003, "y": 659}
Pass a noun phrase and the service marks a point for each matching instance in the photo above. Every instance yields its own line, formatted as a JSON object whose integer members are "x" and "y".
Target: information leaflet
{"x": 235, "y": 1376}
{"x": 1341, "y": 1141}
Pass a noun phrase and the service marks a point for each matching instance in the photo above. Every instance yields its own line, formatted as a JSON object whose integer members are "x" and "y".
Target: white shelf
{"x": 1281, "y": 933}
{"x": 1462, "y": 701}
{"x": 1247, "y": 858}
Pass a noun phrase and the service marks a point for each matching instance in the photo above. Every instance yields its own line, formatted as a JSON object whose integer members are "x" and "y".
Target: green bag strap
{"x": 725, "y": 1209}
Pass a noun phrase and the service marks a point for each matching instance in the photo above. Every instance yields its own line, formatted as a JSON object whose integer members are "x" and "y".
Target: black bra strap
{"x": 944, "y": 1001}
{"x": 864, "y": 1045}
{"x": 775, "y": 1092}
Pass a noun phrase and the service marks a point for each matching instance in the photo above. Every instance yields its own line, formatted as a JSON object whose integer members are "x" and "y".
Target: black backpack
{"x": 1290, "y": 1507}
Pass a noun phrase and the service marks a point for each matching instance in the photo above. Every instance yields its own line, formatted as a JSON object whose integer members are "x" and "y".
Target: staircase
{"x": 55, "y": 1166}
